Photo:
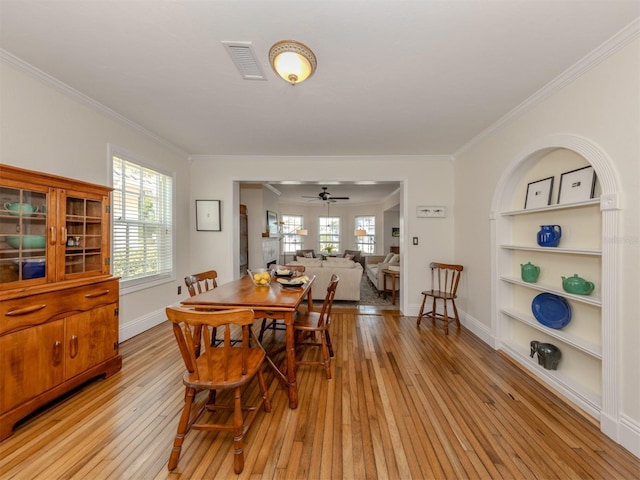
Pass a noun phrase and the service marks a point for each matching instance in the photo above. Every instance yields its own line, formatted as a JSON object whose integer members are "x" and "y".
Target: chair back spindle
{"x": 201, "y": 282}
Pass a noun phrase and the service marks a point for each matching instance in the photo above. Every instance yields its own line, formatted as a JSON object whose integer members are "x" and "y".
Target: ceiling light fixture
{"x": 292, "y": 60}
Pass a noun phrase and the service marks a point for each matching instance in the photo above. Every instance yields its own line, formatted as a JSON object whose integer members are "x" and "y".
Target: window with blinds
{"x": 142, "y": 223}
{"x": 329, "y": 238}
{"x": 366, "y": 243}
{"x": 291, "y": 241}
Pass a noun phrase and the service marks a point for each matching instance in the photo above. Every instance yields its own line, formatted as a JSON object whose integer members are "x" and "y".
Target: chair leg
{"x": 325, "y": 356}
{"x": 445, "y": 318}
{"x": 238, "y": 436}
{"x": 183, "y": 426}
{"x": 424, "y": 299}
{"x": 262, "y": 329}
{"x": 455, "y": 310}
{"x": 263, "y": 390}
{"x": 329, "y": 343}
{"x": 433, "y": 312}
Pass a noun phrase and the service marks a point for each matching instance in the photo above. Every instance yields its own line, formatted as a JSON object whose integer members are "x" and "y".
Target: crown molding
{"x": 21, "y": 65}
{"x": 595, "y": 57}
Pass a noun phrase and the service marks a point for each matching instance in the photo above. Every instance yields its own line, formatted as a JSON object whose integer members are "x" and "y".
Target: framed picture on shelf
{"x": 539, "y": 193}
{"x": 272, "y": 223}
{"x": 577, "y": 185}
{"x": 208, "y": 216}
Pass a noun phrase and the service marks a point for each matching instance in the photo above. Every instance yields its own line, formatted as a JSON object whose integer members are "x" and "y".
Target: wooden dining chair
{"x": 201, "y": 282}
{"x": 275, "y": 323}
{"x": 313, "y": 323}
{"x": 444, "y": 286}
{"x": 226, "y": 367}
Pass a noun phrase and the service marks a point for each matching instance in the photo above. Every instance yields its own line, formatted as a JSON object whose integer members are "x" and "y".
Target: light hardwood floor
{"x": 404, "y": 402}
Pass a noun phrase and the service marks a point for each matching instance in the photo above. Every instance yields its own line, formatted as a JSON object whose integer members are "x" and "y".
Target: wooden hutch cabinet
{"x": 58, "y": 300}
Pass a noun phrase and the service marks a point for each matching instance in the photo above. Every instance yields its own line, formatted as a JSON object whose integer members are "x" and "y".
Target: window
{"x": 291, "y": 241}
{"x": 142, "y": 223}
{"x": 366, "y": 243}
{"x": 329, "y": 228}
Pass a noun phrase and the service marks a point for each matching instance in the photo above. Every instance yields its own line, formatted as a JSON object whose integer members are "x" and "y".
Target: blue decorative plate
{"x": 551, "y": 310}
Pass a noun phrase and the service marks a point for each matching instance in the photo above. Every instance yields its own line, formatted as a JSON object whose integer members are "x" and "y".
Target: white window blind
{"x": 142, "y": 222}
{"x": 291, "y": 241}
{"x": 366, "y": 243}
{"x": 329, "y": 228}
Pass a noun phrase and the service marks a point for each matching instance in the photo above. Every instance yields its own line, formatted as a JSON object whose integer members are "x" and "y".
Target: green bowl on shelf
{"x": 28, "y": 241}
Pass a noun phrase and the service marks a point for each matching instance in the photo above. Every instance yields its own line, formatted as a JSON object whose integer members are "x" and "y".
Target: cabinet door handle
{"x": 97, "y": 294}
{"x": 25, "y": 310}
{"x": 73, "y": 346}
{"x": 57, "y": 353}
{"x": 52, "y": 235}
{"x": 63, "y": 235}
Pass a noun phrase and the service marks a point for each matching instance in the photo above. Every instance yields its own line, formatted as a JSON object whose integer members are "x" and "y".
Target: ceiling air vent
{"x": 243, "y": 56}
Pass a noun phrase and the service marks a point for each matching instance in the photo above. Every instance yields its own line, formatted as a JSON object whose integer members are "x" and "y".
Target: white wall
{"x": 44, "y": 129}
{"x": 425, "y": 181}
{"x": 603, "y": 106}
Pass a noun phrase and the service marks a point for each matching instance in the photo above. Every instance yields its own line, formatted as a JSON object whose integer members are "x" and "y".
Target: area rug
{"x": 368, "y": 296}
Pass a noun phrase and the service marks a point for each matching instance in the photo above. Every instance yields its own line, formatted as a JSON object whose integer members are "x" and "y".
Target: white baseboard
{"x": 141, "y": 324}
{"x": 478, "y": 328}
{"x": 629, "y": 435}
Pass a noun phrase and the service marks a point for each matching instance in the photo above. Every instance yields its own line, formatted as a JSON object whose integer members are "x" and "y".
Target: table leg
{"x": 291, "y": 360}
{"x": 393, "y": 290}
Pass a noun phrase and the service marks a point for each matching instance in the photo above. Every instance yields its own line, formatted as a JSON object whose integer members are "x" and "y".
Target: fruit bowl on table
{"x": 261, "y": 277}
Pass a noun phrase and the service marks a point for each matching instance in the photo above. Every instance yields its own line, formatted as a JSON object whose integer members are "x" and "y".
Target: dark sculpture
{"x": 548, "y": 355}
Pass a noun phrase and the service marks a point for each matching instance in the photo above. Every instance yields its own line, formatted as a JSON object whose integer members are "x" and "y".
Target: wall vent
{"x": 245, "y": 60}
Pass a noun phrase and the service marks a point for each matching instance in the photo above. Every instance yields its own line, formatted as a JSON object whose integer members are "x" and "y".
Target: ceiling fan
{"x": 325, "y": 196}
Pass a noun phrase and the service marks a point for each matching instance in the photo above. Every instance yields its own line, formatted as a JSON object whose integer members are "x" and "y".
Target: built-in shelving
{"x": 588, "y": 299}
{"x": 551, "y": 208}
{"x": 588, "y": 398}
{"x": 570, "y": 251}
{"x": 579, "y": 374}
{"x": 589, "y": 348}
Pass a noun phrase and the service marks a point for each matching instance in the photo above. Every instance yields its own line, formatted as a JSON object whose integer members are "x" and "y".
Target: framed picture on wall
{"x": 539, "y": 193}
{"x": 430, "y": 211}
{"x": 208, "y": 216}
{"x": 395, "y": 231}
{"x": 577, "y": 185}
{"x": 272, "y": 223}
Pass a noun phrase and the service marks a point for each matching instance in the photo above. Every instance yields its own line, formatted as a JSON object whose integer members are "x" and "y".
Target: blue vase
{"x": 549, "y": 235}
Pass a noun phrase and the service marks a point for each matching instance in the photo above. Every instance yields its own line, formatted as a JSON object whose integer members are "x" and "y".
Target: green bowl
{"x": 28, "y": 241}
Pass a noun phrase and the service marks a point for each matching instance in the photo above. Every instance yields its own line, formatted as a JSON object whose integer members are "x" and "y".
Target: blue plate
{"x": 551, "y": 310}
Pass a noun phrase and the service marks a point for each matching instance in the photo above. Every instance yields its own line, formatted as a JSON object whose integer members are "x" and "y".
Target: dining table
{"x": 272, "y": 301}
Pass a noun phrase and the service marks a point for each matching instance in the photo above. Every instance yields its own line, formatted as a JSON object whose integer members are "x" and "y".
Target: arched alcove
{"x": 603, "y": 404}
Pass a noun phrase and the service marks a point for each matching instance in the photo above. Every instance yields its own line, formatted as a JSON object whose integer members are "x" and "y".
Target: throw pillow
{"x": 308, "y": 254}
{"x": 349, "y": 257}
{"x": 395, "y": 258}
{"x": 388, "y": 258}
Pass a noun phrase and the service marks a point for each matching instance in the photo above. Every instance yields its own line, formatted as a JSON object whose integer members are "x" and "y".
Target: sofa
{"x": 375, "y": 264}
{"x": 350, "y": 274}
